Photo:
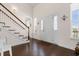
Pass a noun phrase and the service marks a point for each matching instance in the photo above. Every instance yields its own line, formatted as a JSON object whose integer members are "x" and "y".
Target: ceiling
{"x": 23, "y": 4}
{"x": 32, "y": 4}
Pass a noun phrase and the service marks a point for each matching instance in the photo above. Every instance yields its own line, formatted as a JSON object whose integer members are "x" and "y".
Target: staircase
{"x": 14, "y": 29}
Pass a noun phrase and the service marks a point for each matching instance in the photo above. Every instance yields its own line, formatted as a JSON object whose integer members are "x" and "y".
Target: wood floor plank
{"x": 40, "y": 48}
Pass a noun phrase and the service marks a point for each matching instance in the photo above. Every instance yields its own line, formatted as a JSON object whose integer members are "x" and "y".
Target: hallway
{"x": 48, "y": 22}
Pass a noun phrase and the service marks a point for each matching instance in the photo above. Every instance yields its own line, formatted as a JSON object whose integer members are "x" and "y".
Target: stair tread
{"x": 25, "y": 37}
{"x": 21, "y": 35}
{"x": 11, "y": 30}
{"x": 3, "y": 23}
{"x": 16, "y": 32}
{"x": 21, "y": 42}
{"x": 6, "y": 26}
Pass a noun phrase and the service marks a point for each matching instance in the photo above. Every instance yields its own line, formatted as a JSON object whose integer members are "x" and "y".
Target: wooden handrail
{"x": 11, "y": 18}
{"x": 13, "y": 15}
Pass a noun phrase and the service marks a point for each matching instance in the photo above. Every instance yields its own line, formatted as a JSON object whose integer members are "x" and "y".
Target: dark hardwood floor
{"x": 40, "y": 48}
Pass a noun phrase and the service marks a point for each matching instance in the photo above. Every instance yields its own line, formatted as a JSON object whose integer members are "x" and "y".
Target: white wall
{"x": 62, "y": 35}
{"x": 22, "y": 10}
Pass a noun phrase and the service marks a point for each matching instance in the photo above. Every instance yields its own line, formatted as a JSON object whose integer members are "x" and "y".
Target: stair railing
{"x": 16, "y": 18}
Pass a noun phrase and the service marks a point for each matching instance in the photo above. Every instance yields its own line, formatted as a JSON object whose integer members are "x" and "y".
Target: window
{"x": 35, "y": 23}
{"x": 75, "y": 20}
{"x": 42, "y": 25}
{"x": 55, "y": 23}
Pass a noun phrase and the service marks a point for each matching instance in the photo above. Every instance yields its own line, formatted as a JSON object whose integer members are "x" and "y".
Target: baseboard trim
{"x": 54, "y": 44}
